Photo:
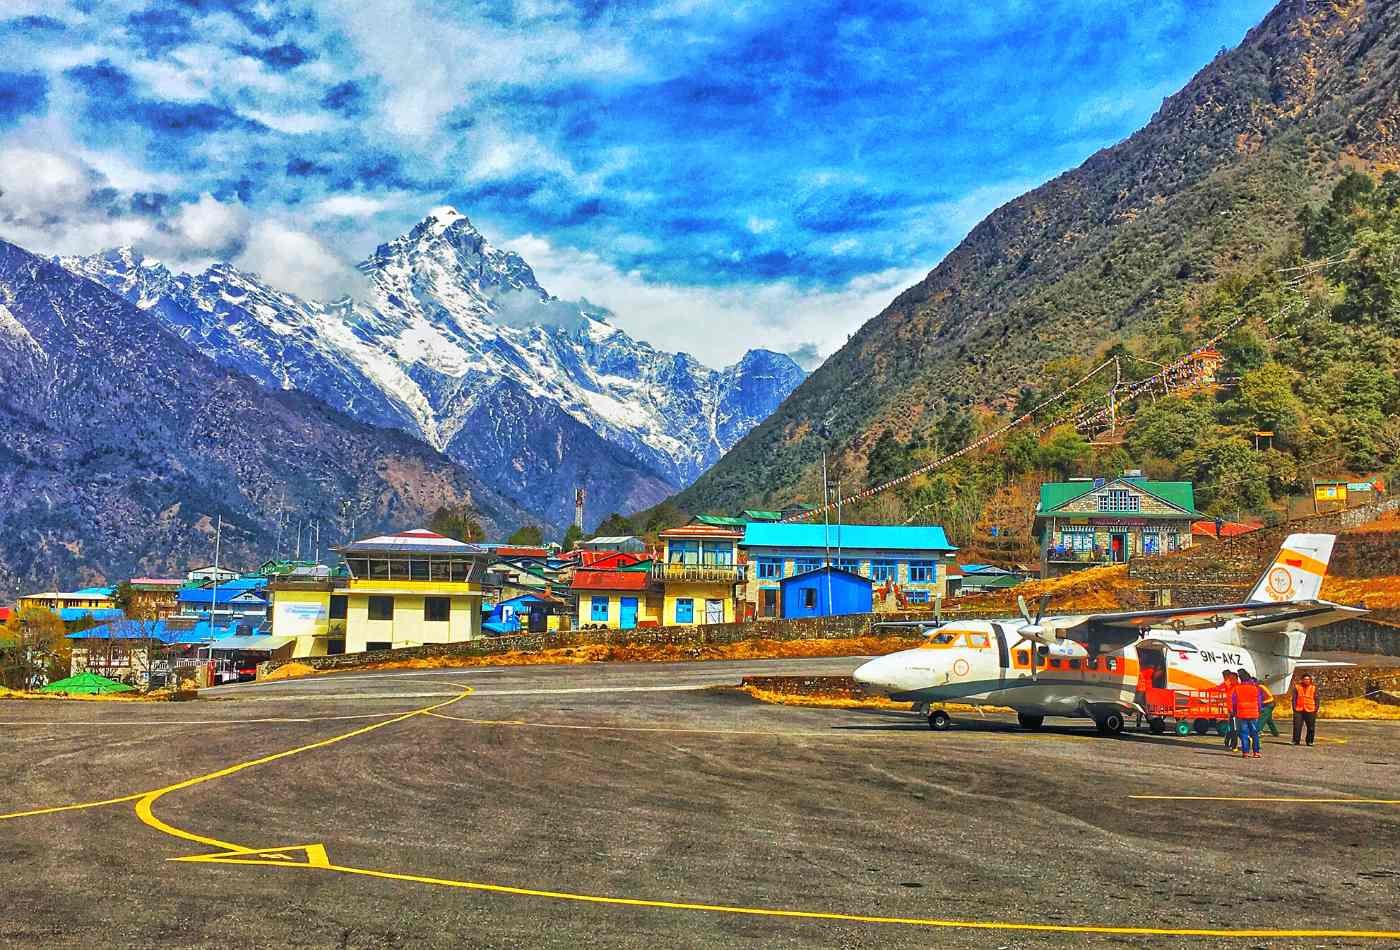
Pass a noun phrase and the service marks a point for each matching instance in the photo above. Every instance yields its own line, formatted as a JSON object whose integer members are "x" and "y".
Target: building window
{"x": 883, "y": 570}
{"x": 768, "y": 569}
{"x": 685, "y": 610}
{"x": 804, "y": 564}
{"x": 339, "y": 605}
{"x": 335, "y": 646}
{"x": 916, "y": 596}
{"x": 683, "y": 552}
{"x": 437, "y": 609}
{"x": 372, "y": 645}
{"x": 1119, "y": 499}
{"x": 848, "y": 564}
{"x": 719, "y": 553}
{"x": 598, "y": 610}
{"x": 922, "y": 572}
{"x": 381, "y": 608}
{"x": 809, "y": 598}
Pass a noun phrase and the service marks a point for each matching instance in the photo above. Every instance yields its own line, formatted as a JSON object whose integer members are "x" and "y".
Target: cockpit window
{"x": 978, "y": 641}
{"x": 944, "y": 637}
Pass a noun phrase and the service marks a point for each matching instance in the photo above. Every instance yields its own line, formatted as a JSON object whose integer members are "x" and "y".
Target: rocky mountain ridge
{"x": 455, "y": 341}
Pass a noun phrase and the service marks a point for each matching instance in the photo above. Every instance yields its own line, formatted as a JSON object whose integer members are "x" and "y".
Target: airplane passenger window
{"x": 1055, "y": 662}
{"x": 1074, "y": 664}
{"x": 1023, "y": 658}
{"x": 1110, "y": 664}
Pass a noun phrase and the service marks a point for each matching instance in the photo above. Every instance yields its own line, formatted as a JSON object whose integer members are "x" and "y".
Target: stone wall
{"x": 813, "y": 628}
{"x": 1361, "y": 635}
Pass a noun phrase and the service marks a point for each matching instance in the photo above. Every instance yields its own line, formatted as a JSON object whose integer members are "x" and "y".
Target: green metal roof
{"x": 759, "y": 514}
{"x": 719, "y": 521}
{"x": 1055, "y": 495}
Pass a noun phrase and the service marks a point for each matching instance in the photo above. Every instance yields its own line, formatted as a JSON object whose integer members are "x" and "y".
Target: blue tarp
{"x": 74, "y": 614}
{"x": 167, "y": 632}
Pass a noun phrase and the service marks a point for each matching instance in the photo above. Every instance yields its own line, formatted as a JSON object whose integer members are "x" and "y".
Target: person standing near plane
{"x": 1304, "y": 708}
{"x": 1144, "y": 683}
{"x": 1246, "y": 703}
{"x": 1266, "y": 717}
{"x": 1227, "y": 686}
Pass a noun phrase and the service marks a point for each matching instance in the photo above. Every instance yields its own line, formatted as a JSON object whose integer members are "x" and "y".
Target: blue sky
{"x": 721, "y": 175}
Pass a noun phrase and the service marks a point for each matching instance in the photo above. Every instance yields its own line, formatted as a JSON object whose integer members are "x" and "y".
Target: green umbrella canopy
{"x": 87, "y": 683}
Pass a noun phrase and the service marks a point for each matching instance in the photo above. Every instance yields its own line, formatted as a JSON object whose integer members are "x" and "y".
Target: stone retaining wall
{"x": 814, "y": 628}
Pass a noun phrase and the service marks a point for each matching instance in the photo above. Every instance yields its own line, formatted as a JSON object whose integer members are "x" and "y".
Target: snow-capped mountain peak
{"x": 456, "y": 341}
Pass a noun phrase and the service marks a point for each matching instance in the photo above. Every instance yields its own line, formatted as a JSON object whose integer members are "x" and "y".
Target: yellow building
{"x": 399, "y": 590}
{"x": 618, "y": 600}
{"x": 698, "y": 573}
{"x": 88, "y": 598}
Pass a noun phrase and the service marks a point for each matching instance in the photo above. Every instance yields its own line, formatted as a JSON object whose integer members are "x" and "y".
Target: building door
{"x": 770, "y": 603}
{"x": 627, "y": 614}
{"x": 539, "y": 618}
{"x": 1118, "y": 543}
{"x": 714, "y": 611}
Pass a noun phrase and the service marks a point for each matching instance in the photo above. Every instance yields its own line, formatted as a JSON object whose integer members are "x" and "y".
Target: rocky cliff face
{"x": 1212, "y": 184}
{"x": 120, "y": 445}
{"x": 455, "y": 341}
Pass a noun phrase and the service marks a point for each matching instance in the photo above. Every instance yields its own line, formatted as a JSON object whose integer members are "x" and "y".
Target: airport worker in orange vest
{"x": 1304, "y": 708}
{"x": 1246, "y": 703}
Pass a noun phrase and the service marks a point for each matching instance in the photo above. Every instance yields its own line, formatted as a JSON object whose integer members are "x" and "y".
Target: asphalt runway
{"x": 646, "y": 805}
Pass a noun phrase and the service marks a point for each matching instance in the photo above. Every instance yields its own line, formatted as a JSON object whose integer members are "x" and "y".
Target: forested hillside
{"x": 1311, "y": 356}
{"x": 1140, "y": 247}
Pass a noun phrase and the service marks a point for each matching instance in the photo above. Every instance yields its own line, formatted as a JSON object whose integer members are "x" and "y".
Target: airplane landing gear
{"x": 1030, "y": 721}
{"x": 1110, "y": 723}
{"x": 939, "y": 721}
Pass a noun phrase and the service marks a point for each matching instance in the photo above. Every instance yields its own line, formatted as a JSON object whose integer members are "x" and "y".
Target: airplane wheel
{"x": 1157, "y": 724}
{"x": 1111, "y": 724}
{"x": 939, "y": 721}
{"x": 1030, "y": 721}
{"x": 1183, "y": 728}
{"x": 1202, "y": 727}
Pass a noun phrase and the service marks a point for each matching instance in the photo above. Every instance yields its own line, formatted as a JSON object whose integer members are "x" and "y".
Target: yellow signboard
{"x": 1333, "y": 492}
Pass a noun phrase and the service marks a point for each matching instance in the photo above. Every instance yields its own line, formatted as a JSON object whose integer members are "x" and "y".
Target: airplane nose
{"x": 871, "y": 672}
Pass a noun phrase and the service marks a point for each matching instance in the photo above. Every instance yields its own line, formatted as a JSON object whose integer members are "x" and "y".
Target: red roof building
{"x": 1228, "y": 529}
{"x": 610, "y": 580}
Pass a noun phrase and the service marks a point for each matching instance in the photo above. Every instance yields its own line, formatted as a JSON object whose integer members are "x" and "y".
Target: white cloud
{"x": 293, "y": 260}
{"x": 758, "y": 225}
{"x": 211, "y": 228}
{"x": 357, "y": 206}
{"x": 716, "y": 324}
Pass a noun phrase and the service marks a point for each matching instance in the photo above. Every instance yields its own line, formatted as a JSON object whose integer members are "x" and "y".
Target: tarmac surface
{"x": 647, "y": 805}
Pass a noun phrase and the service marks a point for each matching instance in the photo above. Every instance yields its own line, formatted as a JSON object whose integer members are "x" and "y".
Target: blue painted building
{"x": 527, "y": 612}
{"x": 907, "y": 565}
{"x": 825, "y": 592}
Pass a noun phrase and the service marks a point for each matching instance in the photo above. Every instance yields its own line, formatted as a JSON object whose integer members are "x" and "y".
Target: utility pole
{"x": 826, "y": 520}
{"x": 214, "y": 594}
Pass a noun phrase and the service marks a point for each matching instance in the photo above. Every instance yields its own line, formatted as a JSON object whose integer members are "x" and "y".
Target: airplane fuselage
{"x": 986, "y": 663}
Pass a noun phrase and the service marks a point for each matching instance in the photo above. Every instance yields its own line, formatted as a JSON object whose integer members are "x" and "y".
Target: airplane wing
{"x": 1306, "y": 615}
{"x": 1319, "y": 664}
{"x": 1109, "y": 631}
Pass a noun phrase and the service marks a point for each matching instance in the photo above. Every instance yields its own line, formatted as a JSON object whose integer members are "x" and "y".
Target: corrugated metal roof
{"x": 760, "y": 514}
{"x": 415, "y": 541}
{"x": 253, "y": 644}
{"x": 1182, "y": 495}
{"x": 720, "y": 521}
{"x": 610, "y": 580}
{"x": 878, "y": 537}
{"x": 702, "y": 531}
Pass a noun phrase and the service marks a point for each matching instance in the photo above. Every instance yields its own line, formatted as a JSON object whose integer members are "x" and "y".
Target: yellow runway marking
{"x": 78, "y": 807}
{"x": 1267, "y": 799}
{"x": 314, "y": 856}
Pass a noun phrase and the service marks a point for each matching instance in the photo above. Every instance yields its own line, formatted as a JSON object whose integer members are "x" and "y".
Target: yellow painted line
{"x": 197, "y": 722}
{"x": 144, "y": 806}
{"x": 78, "y": 807}
{"x": 1269, "y": 799}
{"x": 830, "y": 915}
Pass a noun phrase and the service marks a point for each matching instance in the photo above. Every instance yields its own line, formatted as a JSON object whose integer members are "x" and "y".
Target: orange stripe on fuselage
{"x": 1126, "y": 674}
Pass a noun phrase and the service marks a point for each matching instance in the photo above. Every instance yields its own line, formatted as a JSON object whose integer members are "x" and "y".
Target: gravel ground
{"x": 658, "y": 783}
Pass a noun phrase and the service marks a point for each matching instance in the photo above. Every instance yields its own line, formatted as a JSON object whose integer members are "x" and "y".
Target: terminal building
{"x": 395, "y": 590}
{"x": 1090, "y": 521}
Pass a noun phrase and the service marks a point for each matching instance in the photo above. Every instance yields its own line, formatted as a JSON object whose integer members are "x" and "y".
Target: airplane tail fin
{"x": 1297, "y": 571}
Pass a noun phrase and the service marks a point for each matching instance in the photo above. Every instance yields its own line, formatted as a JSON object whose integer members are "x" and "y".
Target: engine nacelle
{"x": 1064, "y": 649}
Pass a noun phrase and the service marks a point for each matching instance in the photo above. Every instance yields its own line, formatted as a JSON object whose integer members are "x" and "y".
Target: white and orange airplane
{"x": 1087, "y": 666}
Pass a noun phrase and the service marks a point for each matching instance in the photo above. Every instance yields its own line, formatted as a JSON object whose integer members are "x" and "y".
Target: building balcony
{"x": 698, "y": 573}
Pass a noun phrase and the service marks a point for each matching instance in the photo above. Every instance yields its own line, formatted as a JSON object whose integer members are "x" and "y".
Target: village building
{"x": 1089, "y": 521}
{"x": 132, "y": 651}
{"x": 526, "y": 613}
{"x": 155, "y": 597}
{"x": 825, "y": 592}
{"x": 208, "y": 574}
{"x": 699, "y": 574}
{"x": 907, "y": 564}
{"x": 76, "y": 606}
{"x": 617, "y": 599}
{"x": 397, "y": 590}
{"x": 242, "y": 600}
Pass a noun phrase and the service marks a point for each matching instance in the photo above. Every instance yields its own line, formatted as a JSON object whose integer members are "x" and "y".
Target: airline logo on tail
{"x": 1297, "y": 571}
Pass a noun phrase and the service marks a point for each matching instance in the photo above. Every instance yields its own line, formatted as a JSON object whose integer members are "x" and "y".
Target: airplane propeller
{"x": 1032, "y": 631}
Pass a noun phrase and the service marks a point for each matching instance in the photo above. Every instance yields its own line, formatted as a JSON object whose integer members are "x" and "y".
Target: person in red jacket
{"x": 1228, "y": 686}
{"x": 1246, "y": 703}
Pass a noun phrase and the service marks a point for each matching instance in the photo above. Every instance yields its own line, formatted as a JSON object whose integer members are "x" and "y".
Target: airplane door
{"x": 1156, "y": 658}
